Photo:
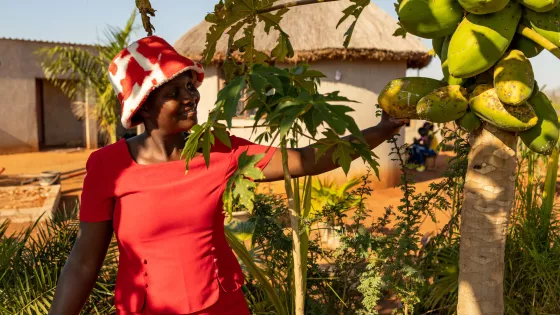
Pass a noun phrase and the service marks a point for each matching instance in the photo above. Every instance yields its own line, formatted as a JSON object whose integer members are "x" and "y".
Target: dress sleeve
{"x": 240, "y": 145}
{"x": 97, "y": 200}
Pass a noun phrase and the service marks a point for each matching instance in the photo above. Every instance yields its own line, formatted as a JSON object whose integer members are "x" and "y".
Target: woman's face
{"x": 172, "y": 107}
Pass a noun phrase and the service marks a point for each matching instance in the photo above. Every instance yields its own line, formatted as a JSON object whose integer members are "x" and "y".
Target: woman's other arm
{"x": 82, "y": 268}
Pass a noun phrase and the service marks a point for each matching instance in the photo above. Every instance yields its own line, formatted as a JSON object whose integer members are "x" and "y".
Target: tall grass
{"x": 532, "y": 282}
{"x": 31, "y": 261}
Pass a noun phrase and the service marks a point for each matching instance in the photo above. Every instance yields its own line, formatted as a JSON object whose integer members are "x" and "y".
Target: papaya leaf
{"x": 246, "y": 44}
{"x": 323, "y": 114}
{"x": 241, "y": 186}
{"x": 193, "y": 143}
{"x": 253, "y": 102}
{"x": 272, "y": 20}
{"x": 355, "y": 10}
{"x": 307, "y": 118}
{"x": 231, "y": 69}
{"x": 314, "y": 74}
{"x": 207, "y": 143}
{"x": 339, "y": 111}
{"x": 288, "y": 120}
{"x": 322, "y": 148}
{"x": 348, "y": 34}
{"x": 400, "y": 31}
{"x": 223, "y": 17}
{"x": 325, "y": 144}
{"x": 260, "y": 57}
{"x": 342, "y": 155}
{"x": 299, "y": 70}
{"x": 335, "y": 97}
{"x": 258, "y": 84}
{"x": 275, "y": 83}
{"x": 221, "y": 133}
{"x": 228, "y": 98}
{"x": 367, "y": 155}
{"x": 264, "y": 69}
{"x": 287, "y": 102}
{"x": 283, "y": 48}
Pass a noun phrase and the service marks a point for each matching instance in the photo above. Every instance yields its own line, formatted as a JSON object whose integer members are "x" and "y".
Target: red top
{"x": 169, "y": 226}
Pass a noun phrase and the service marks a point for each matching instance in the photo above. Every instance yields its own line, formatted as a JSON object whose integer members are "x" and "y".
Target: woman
{"x": 174, "y": 258}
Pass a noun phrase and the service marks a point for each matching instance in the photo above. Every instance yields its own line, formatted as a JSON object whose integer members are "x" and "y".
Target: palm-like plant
{"x": 75, "y": 69}
{"x": 31, "y": 261}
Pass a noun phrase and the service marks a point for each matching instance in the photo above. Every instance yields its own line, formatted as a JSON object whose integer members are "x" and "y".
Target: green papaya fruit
{"x": 539, "y": 5}
{"x": 430, "y": 19}
{"x": 488, "y": 107}
{"x": 451, "y": 80}
{"x": 543, "y": 137}
{"x": 529, "y": 48}
{"x": 437, "y": 44}
{"x": 400, "y": 96}
{"x": 483, "y": 6}
{"x": 469, "y": 122}
{"x": 514, "y": 79}
{"x": 546, "y": 24}
{"x": 480, "y": 41}
{"x": 479, "y": 89}
{"x": 443, "y": 105}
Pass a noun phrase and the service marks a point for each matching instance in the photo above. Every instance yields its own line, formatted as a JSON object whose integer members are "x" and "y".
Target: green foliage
{"x": 240, "y": 187}
{"x": 353, "y": 10}
{"x": 327, "y": 192}
{"x": 331, "y": 291}
{"x": 413, "y": 267}
{"x": 31, "y": 261}
{"x": 532, "y": 253}
{"x": 75, "y": 69}
{"x": 249, "y": 262}
{"x": 288, "y": 103}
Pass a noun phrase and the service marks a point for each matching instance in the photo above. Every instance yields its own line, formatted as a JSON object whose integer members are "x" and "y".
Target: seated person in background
{"x": 422, "y": 148}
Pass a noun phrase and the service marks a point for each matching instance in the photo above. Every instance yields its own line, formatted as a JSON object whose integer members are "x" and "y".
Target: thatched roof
{"x": 314, "y": 36}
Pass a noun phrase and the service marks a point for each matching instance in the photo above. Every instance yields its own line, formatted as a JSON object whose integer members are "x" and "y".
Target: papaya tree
{"x": 492, "y": 94}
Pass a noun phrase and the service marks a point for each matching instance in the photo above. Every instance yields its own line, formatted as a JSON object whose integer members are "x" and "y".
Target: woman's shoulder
{"x": 111, "y": 153}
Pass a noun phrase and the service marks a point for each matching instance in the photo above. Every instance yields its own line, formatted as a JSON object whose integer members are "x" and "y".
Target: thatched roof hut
{"x": 314, "y": 36}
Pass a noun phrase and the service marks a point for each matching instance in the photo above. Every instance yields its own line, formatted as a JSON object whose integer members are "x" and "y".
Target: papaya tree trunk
{"x": 488, "y": 198}
{"x": 293, "y": 208}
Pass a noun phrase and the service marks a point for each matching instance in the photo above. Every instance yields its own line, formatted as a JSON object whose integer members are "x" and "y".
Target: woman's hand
{"x": 390, "y": 124}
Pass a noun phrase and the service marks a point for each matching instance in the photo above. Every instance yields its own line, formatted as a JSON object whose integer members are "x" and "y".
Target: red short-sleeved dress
{"x": 173, "y": 254}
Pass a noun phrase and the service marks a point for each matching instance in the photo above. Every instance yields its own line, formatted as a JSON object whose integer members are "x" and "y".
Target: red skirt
{"x": 229, "y": 303}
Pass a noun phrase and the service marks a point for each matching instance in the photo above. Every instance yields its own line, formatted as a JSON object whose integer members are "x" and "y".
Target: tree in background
{"x": 75, "y": 70}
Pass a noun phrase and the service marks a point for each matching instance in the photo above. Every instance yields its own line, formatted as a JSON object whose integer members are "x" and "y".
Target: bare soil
{"x": 70, "y": 162}
{"x": 23, "y": 197}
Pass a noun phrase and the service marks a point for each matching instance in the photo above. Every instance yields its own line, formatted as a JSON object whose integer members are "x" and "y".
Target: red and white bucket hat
{"x": 142, "y": 67}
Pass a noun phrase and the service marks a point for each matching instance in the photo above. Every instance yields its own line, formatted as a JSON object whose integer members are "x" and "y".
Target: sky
{"x": 84, "y": 21}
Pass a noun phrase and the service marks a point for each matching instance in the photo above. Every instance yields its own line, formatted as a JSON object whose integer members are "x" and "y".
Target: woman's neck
{"x": 163, "y": 146}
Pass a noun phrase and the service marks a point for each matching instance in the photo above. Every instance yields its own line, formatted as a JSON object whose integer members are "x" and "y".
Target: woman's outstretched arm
{"x": 302, "y": 160}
